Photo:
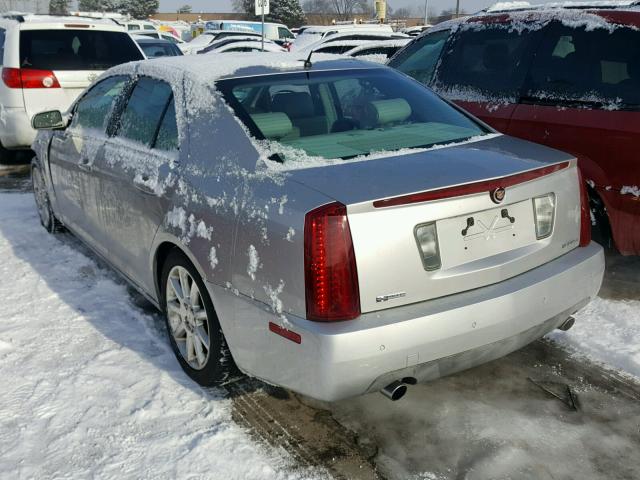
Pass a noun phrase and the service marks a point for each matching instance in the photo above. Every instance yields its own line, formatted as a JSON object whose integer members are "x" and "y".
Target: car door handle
{"x": 85, "y": 164}
{"x": 141, "y": 184}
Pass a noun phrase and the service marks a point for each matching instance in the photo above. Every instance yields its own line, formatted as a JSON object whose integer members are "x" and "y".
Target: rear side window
{"x": 419, "y": 59}
{"x": 2, "y": 37}
{"x": 486, "y": 64}
{"x": 598, "y": 68}
{"x": 75, "y": 49}
{"x": 141, "y": 119}
{"x": 335, "y": 49}
{"x": 157, "y": 50}
{"x": 94, "y": 109}
{"x": 387, "y": 51}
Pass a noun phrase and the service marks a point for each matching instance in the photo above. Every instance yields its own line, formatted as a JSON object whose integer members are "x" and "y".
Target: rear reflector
{"x": 331, "y": 277}
{"x": 470, "y": 188}
{"x": 283, "y": 332}
{"x": 29, "y": 78}
{"x": 585, "y": 213}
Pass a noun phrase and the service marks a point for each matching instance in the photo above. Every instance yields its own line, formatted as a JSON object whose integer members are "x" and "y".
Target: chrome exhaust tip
{"x": 395, "y": 390}
{"x": 567, "y": 324}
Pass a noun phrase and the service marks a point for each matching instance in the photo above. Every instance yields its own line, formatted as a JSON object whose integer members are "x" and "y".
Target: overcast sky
{"x": 225, "y": 5}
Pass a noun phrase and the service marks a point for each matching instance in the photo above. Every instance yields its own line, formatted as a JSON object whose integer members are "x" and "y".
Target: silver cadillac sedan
{"x": 329, "y": 226}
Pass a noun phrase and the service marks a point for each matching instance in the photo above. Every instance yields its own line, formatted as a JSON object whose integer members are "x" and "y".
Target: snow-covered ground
{"x": 607, "y": 331}
{"x": 90, "y": 388}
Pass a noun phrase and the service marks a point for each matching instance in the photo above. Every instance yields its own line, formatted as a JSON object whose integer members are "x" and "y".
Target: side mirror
{"x": 51, "y": 120}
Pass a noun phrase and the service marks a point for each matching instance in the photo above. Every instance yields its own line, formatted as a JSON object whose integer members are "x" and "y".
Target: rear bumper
{"x": 15, "y": 129}
{"x": 424, "y": 340}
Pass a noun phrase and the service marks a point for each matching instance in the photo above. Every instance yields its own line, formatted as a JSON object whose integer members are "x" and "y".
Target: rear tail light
{"x": 544, "y": 211}
{"x": 427, "y": 238}
{"x": 585, "y": 213}
{"x": 331, "y": 277}
{"x": 29, "y": 78}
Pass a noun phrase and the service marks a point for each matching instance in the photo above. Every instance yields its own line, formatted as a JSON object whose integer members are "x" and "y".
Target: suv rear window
{"x": 595, "y": 67}
{"x": 75, "y": 49}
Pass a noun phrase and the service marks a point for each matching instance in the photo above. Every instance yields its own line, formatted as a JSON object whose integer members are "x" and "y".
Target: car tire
{"x": 47, "y": 218}
{"x": 192, "y": 323}
{"x": 600, "y": 226}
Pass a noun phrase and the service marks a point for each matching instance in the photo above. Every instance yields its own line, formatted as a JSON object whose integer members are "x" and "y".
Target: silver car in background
{"x": 334, "y": 228}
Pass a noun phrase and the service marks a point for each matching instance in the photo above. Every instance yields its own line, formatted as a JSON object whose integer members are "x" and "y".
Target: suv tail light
{"x": 29, "y": 78}
{"x": 585, "y": 213}
{"x": 331, "y": 277}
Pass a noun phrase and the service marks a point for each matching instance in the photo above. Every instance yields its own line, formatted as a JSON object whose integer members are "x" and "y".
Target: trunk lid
{"x": 383, "y": 216}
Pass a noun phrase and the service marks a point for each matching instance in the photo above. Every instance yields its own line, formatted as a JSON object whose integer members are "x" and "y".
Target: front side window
{"x": 94, "y": 109}
{"x": 76, "y": 49}
{"x": 596, "y": 68}
{"x": 345, "y": 114}
{"x": 141, "y": 118}
{"x": 486, "y": 62}
{"x": 132, "y": 27}
{"x": 420, "y": 58}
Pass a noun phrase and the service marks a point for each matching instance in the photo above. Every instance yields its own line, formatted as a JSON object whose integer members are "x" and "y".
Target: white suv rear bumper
{"x": 15, "y": 128}
{"x": 424, "y": 340}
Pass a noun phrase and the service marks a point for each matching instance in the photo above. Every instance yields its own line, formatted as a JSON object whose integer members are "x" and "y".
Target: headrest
{"x": 393, "y": 110}
{"x": 294, "y": 104}
{"x": 272, "y": 125}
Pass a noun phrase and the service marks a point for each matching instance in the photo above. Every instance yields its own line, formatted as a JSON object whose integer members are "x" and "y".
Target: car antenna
{"x": 307, "y": 62}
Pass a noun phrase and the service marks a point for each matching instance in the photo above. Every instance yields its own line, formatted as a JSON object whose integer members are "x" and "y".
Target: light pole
{"x": 426, "y": 12}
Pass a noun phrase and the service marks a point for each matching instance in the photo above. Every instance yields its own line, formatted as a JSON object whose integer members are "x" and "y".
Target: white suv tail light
{"x": 29, "y": 78}
{"x": 544, "y": 211}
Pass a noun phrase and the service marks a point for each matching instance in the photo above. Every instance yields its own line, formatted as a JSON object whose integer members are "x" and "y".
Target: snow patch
{"x": 254, "y": 262}
{"x": 213, "y": 259}
{"x": 630, "y": 190}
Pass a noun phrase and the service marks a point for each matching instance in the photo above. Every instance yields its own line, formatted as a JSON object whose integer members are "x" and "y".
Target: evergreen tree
{"x": 288, "y": 12}
{"x": 59, "y": 7}
{"x": 140, "y": 9}
{"x": 185, "y": 9}
{"x": 98, "y": 5}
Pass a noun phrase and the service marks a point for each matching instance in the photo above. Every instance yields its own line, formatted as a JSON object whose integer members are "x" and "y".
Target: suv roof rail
{"x": 21, "y": 17}
{"x": 18, "y": 17}
{"x": 578, "y": 5}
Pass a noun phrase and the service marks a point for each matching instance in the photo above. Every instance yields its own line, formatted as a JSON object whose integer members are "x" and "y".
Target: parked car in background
{"x": 47, "y": 62}
{"x": 277, "y": 32}
{"x": 312, "y": 33}
{"x": 208, "y": 37}
{"x": 225, "y": 40}
{"x": 415, "y": 31}
{"x": 157, "y": 48}
{"x": 565, "y": 77}
{"x": 379, "y": 52}
{"x": 344, "y": 39}
{"x": 333, "y": 228}
{"x": 247, "y": 45}
{"x": 140, "y": 25}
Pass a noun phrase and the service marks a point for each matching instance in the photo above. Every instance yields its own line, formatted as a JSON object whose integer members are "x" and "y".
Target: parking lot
{"x": 419, "y": 211}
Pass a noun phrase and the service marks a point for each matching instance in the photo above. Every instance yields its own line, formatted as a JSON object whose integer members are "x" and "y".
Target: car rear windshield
{"x": 75, "y": 49}
{"x": 345, "y": 114}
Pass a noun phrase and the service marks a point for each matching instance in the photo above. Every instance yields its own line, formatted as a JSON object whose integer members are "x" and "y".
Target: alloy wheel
{"x": 187, "y": 316}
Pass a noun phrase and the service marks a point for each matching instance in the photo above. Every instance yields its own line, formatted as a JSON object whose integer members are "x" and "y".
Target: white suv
{"x": 46, "y": 62}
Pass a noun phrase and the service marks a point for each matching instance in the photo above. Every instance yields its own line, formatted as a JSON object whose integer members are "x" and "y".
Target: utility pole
{"x": 457, "y": 8}
{"x": 426, "y": 12}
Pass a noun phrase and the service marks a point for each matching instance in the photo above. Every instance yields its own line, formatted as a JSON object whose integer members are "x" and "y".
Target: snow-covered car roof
{"x": 26, "y": 20}
{"x": 396, "y": 42}
{"x": 595, "y": 4}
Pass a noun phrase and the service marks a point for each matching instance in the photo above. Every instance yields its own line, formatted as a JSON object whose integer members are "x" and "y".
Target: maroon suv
{"x": 565, "y": 77}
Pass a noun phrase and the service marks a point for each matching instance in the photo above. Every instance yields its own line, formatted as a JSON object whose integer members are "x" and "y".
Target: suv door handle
{"x": 85, "y": 164}
{"x": 142, "y": 186}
